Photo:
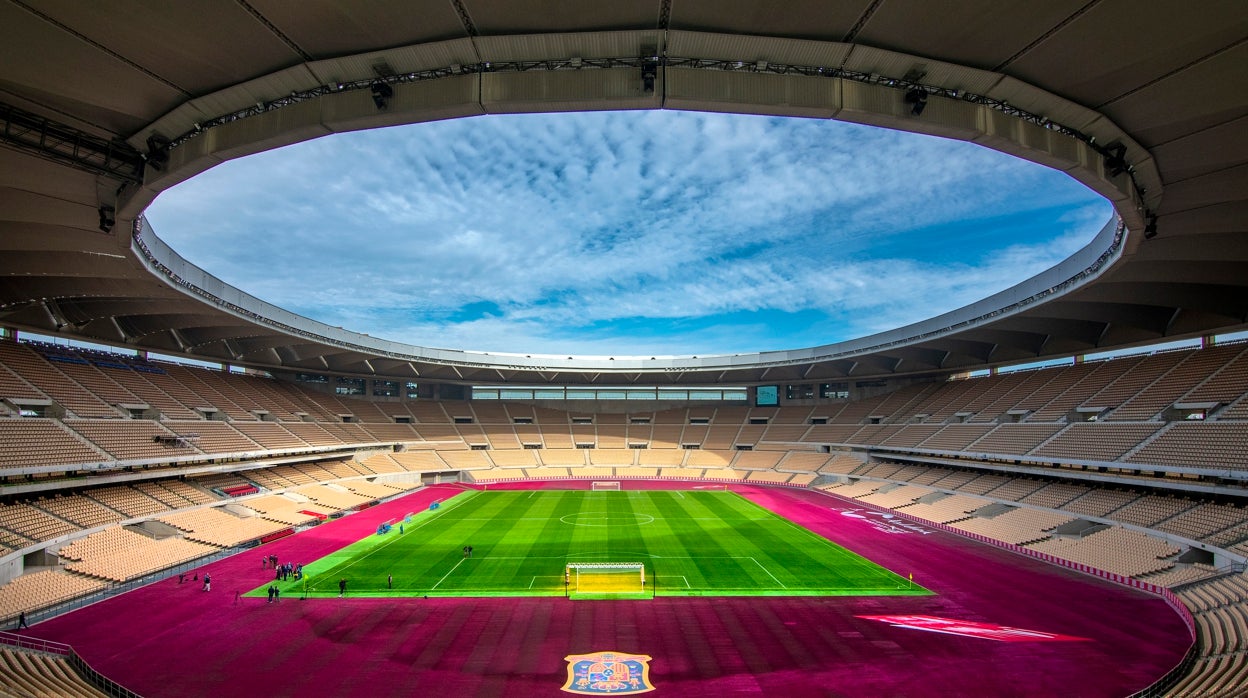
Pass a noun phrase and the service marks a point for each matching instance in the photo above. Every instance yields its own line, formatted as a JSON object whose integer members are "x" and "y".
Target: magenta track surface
{"x": 170, "y": 639}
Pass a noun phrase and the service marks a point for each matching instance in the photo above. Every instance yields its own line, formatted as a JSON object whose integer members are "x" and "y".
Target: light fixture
{"x": 916, "y": 97}
{"x": 649, "y": 73}
{"x": 107, "y": 219}
{"x": 381, "y": 95}
{"x": 1116, "y": 159}
{"x": 157, "y": 151}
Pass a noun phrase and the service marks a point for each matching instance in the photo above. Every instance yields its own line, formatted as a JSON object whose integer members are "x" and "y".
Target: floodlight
{"x": 649, "y": 73}
{"x": 382, "y": 94}
{"x": 916, "y": 97}
{"x": 107, "y": 219}
{"x": 157, "y": 151}
{"x": 1116, "y": 159}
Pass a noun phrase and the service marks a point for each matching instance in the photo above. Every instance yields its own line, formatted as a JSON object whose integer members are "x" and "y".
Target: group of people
{"x": 284, "y": 571}
{"x": 287, "y": 570}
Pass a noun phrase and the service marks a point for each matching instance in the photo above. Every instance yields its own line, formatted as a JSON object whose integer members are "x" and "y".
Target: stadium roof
{"x": 106, "y": 105}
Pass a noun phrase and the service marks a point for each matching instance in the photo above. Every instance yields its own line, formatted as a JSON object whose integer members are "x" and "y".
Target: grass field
{"x": 693, "y": 543}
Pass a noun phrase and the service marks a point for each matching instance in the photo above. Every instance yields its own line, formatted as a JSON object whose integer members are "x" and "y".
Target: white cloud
{"x": 559, "y": 227}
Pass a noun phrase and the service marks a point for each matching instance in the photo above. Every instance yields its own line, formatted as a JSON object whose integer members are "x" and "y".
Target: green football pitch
{"x": 692, "y": 543}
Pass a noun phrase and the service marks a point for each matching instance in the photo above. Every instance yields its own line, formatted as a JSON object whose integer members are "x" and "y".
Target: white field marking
{"x": 614, "y": 553}
{"x": 680, "y": 494}
{"x": 605, "y": 517}
{"x": 457, "y": 564}
{"x": 531, "y": 494}
{"x": 686, "y": 581}
{"x": 859, "y": 561}
{"x": 501, "y": 518}
{"x": 769, "y": 574}
{"x": 544, "y": 576}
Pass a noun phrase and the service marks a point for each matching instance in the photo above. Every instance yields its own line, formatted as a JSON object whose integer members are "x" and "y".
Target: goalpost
{"x": 605, "y": 578}
{"x": 605, "y": 486}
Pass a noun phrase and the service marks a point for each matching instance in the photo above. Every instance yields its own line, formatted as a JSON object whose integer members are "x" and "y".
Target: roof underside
{"x": 1161, "y": 77}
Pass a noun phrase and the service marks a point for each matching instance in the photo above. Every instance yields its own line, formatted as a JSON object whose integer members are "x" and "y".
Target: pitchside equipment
{"x": 605, "y": 486}
{"x": 605, "y": 578}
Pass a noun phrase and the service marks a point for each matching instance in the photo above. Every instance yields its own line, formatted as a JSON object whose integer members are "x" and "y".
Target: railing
{"x": 34, "y": 643}
{"x": 65, "y": 604}
{"x": 84, "y": 670}
{"x": 100, "y": 681}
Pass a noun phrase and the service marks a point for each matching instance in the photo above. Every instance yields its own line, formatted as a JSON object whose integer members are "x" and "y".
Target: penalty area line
{"x": 457, "y": 564}
{"x": 769, "y": 574}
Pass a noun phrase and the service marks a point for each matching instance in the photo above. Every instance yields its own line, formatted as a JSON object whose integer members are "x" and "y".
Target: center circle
{"x": 605, "y": 518}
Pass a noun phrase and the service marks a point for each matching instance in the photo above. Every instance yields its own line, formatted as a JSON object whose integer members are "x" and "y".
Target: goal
{"x": 602, "y": 486}
{"x": 599, "y": 579}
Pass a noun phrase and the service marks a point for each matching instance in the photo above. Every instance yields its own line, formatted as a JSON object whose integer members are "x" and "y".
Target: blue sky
{"x": 626, "y": 233}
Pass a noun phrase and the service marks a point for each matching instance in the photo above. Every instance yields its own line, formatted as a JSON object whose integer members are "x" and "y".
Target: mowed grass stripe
{"x": 702, "y": 543}
{"x": 772, "y": 547}
{"x": 723, "y": 552}
{"x": 865, "y": 572}
{"x": 528, "y": 538}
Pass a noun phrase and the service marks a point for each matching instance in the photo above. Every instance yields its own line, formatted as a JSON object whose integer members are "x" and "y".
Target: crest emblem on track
{"x": 608, "y": 674}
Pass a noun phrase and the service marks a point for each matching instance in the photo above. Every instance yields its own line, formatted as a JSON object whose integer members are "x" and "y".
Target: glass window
{"x": 386, "y": 388}
{"x": 514, "y": 394}
{"x": 350, "y": 386}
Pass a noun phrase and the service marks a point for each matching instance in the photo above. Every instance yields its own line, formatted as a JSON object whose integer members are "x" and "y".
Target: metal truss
{"x": 1113, "y": 153}
{"x": 67, "y": 145}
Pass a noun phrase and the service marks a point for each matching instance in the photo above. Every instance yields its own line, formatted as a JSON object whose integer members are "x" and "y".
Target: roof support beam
{"x": 66, "y": 145}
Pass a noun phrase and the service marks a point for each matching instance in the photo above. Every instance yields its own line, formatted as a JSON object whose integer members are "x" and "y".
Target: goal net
{"x": 605, "y": 578}
{"x": 598, "y": 486}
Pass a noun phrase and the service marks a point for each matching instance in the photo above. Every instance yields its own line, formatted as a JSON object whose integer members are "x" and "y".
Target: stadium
{"x": 908, "y": 513}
